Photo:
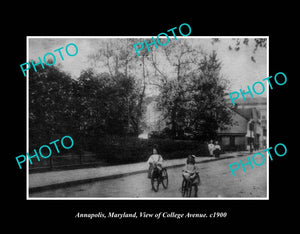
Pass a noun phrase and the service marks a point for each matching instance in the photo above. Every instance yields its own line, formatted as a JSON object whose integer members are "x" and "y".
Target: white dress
{"x": 211, "y": 148}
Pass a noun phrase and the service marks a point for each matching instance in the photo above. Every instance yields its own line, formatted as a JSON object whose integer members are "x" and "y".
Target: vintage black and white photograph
{"x": 142, "y": 118}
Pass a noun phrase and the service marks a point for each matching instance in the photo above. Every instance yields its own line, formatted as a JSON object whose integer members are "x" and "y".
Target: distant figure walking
{"x": 217, "y": 149}
{"x": 211, "y": 148}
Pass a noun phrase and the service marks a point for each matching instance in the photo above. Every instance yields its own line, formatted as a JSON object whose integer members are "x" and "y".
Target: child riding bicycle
{"x": 191, "y": 172}
{"x": 155, "y": 160}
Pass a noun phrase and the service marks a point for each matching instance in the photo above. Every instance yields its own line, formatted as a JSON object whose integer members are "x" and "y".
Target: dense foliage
{"x": 93, "y": 106}
{"x": 193, "y": 102}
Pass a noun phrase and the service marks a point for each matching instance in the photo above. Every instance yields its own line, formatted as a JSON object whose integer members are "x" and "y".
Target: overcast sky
{"x": 237, "y": 65}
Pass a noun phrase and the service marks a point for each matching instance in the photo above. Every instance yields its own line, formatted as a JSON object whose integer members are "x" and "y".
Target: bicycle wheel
{"x": 154, "y": 184}
{"x": 197, "y": 182}
{"x": 195, "y": 191}
{"x": 165, "y": 179}
{"x": 189, "y": 189}
{"x": 183, "y": 187}
{"x": 186, "y": 188}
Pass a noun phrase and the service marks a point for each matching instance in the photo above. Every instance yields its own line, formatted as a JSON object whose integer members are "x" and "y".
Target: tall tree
{"x": 192, "y": 99}
{"x": 207, "y": 109}
{"x": 179, "y": 60}
{"x": 50, "y": 105}
{"x": 107, "y": 102}
{"x": 120, "y": 60}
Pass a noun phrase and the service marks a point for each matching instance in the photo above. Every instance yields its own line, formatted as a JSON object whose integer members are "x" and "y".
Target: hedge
{"x": 121, "y": 150}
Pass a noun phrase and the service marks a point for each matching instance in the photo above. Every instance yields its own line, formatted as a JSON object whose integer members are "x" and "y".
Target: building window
{"x": 225, "y": 140}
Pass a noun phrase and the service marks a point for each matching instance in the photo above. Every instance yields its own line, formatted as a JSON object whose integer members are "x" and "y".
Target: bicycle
{"x": 187, "y": 186}
{"x": 158, "y": 177}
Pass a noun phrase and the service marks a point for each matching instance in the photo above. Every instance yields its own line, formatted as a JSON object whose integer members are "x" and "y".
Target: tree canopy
{"x": 193, "y": 101}
{"x": 189, "y": 85}
{"x": 87, "y": 108}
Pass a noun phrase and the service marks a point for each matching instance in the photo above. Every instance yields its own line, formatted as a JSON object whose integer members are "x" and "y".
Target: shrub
{"x": 119, "y": 150}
